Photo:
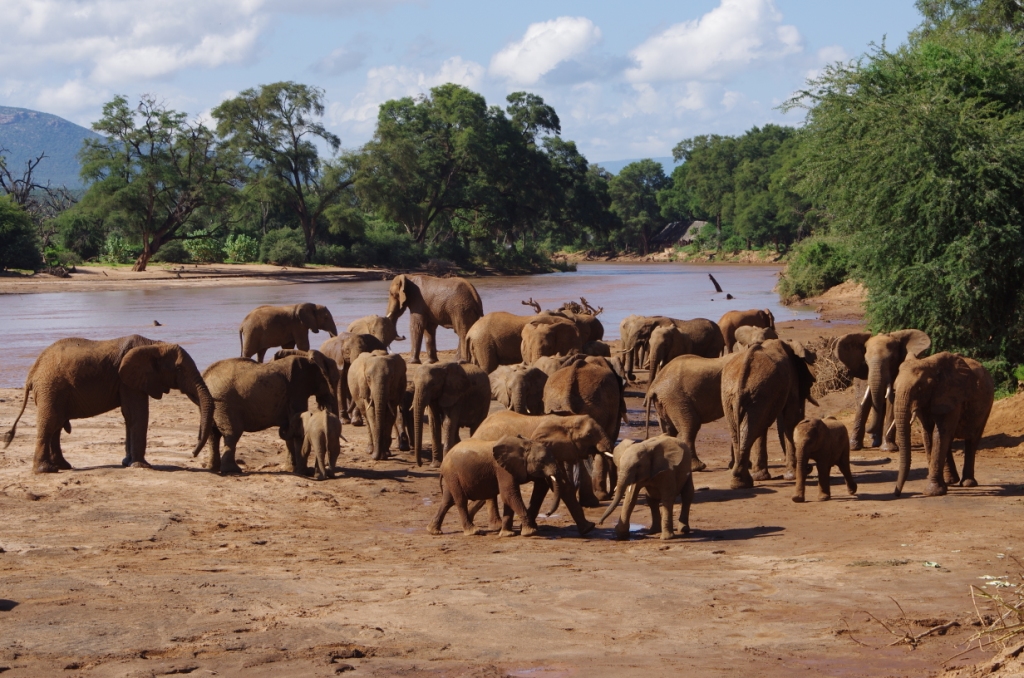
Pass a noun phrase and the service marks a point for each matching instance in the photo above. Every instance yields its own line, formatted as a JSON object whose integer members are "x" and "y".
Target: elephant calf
{"x": 827, "y": 443}
{"x": 314, "y": 434}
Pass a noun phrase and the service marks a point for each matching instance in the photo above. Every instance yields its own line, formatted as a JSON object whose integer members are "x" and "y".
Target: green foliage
{"x": 242, "y": 249}
{"x": 203, "y": 247}
{"x": 117, "y": 250}
{"x": 81, "y": 232}
{"x": 815, "y": 265}
{"x": 283, "y": 247}
{"x": 19, "y": 247}
{"x": 634, "y": 194}
{"x": 58, "y": 256}
{"x": 734, "y": 243}
{"x": 385, "y": 245}
{"x": 173, "y": 252}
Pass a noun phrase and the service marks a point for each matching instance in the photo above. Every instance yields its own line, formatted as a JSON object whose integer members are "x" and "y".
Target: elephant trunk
{"x": 516, "y": 401}
{"x": 901, "y": 420}
{"x": 331, "y": 327}
{"x": 556, "y": 488}
{"x": 419, "y": 403}
{"x": 190, "y": 382}
{"x": 625, "y": 480}
{"x": 878, "y": 384}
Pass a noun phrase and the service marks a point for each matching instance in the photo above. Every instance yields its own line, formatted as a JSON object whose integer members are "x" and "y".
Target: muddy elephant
{"x": 250, "y": 396}
{"x": 731, "y": 321}
{"x": 877, "y": 359}
{"x": 686, "y": 394}
{"x": 825, "y": 442}
{"x": 549, "y": 335}
{"x": 952, "y": 396}
{"x": 432, "y": 302}
{"x": 458, "y": 394}
{"x": 550, "y": 364}
{"x": 377, "y": 383}
{"x": 284, "y": 326}
{"x": 587, "y": 324}
{"x": 768, "y": 383}
{"x": 520, "y": 388}
{"x": 590, "y": 386}
{"x": 665, "y": 344}
{"x": 661, "y": 466}
{"x": 314, "y": 434}
{"x": 597, "y": 348}
{"x": 343, "y": 349}
{"x": 705, "y": 336}
{"x": 748, "y": 335}
{"x": 80, "y": 378}
{"x": 332, "y": 373}
{"x": 496, "y": 339}
{"x": 381, "y": 328}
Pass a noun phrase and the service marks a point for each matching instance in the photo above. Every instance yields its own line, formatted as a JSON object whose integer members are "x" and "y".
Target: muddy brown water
{"x": 205, "y": 320}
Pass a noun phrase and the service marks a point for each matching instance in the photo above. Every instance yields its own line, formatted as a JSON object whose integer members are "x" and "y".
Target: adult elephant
{"x": 548, "y": 335}
{"x": 587, "y": 324}
{"x": 80, "y": 378}
{"x": 877, "y": 359}
{"x": 767, "y": 383}
{"x": 377, "y": 383}
{"x": 952, "y": 395}
{"x": 747, "y": 335}
{"x": 667, "y": 343}
{"x": 458, "y": 394}
{"x": 686, "y": 394}
{"x": 496, "y": 339}
{"x": 250, "y": 396}
{"x": 705, "y": 336}
{"x": 732, "y": 320}
{"x": 344, "y": 349}
{"x": 520, "y": 388}
{"x": 446, "y": 302}
{"x": 284, "y": 326}
{"x": 590, "y": 386}
{"x": 327, "y": 365}
{"x": 381, "y": 328}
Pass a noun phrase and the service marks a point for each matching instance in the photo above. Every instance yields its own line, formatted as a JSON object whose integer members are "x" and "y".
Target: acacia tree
{"x": 276, "y": 128}
{"x": 711, "y": 161}
{"x": 153, "y": 171}
{"x": 634, "y": 194}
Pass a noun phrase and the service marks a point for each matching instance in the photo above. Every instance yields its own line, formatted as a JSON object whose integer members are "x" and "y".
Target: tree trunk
{"x": 140, "y": 263}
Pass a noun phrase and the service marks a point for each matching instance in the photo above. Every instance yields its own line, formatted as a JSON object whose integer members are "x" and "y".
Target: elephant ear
{"x": 325, "y": 320}
{"x": 306, "y": 314}
{"x": 403, "y": 297}
{"x": 915, "y": 342}
{"x": 499, "y": 386}
{"x": 150, "y": 369}
{"x": 771, "y": 318}
{"x": 510, "y": 454}
{"x": 673, "y": 454}
{"x": 851, "y": 350}
{"x": 801, "y": 358}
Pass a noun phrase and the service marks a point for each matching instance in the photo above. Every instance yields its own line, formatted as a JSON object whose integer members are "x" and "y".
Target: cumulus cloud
{"x": 544, "y": 45}
{"x": 344, "y": 59}
{"x": 730, "y": 37}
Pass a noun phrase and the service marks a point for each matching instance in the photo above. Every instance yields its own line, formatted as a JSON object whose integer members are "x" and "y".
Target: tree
{"x": 153, "y": 172}
{"x": 276, "y": 128}
{"x": 711, "y": 160}
{"x": 634, "y": 194}
{"x": 992, "y": 17}
{"x": 42, "y": 202}
{"x": 18, "y": 245}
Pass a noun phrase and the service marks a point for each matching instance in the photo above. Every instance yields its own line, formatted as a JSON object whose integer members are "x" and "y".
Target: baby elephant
{"x": 314, "y": 434}
{"x": 661, "y": 465}
{"x": 827, "y": 443}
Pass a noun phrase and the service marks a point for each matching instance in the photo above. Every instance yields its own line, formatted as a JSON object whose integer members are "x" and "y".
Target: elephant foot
{"x": 586, "y": 527}
{"x": 798, "y": 498}
{"x": 528, "y": 530}
{"x": 435, "y": 463}
{"x": 358, "y": 421}
{"x": 697, "y": 465}
{"x": 127, "y": 461}
{"x": 346, "y": 419}
{"x": 684, "y": 530}
{"x": 888, "y": 447}
{"x": 852, "y": 489}
{"x": 665, "y": 536}
{"x": 856, "y": 445}
{"x": 935, "y": 490}
{"x": 876, "y": 441}
{"x": 589, "y": 502}
{"x": 601, "y": 495}
{"x": 141, "y": 464}
{"x": 403, "y": 445}
{"x": 472, "y": 532}
{"x": 45, "y": 467}
{"x": 231, "y": 469}
{"x": 63, "y": 464}
{"x": 742, "y": 482}
{"x": 824, "y": 497}
{"x": 762, "y": 475}
{"x": 968, "y": 482}
{"x": 510, "y": 533}
{"x": 434, "y": 530}
{"x": 621, "y": 534}
{"x": 789, "y": 475}
{"x": 951, "y": 479}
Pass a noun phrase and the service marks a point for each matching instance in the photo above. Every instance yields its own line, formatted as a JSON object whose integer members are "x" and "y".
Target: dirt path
{"x": 120, "y": 572}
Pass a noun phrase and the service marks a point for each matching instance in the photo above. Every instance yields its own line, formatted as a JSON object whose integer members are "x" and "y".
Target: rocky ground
{"x": 106, "y": 571}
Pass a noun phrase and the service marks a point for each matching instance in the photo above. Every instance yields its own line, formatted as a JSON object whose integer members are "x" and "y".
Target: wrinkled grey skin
{"x": 377, "y": 382}
{"x": 748, "y": 335}
{"x": 733, "y": 320}
{"x": 457, "y": 394}
{"x": 314, "y": 434}
{"x": 343, "y": 349}
{"x": 826, "y": 442}
{"x": 519, "y": 388}
{"x": 378, "y": 326}
{"x": 284, "y": 326}
{"x": 705, "y": 336}
{"x": 432, "y": 303}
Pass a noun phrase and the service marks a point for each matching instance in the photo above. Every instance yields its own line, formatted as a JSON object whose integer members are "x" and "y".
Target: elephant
{"x": 767, "y": 383}
{"x": 252, "y": 396}
{"x": 326, "y": 364}
{"x": 667, "y": 343}
{"x": 661, "y": 465}
{"x": 284, "y": 326}
{"x": 637, "y": 353}
{"x": 732, "y": 320}
{"x": 343, "y": 349}
{"x": 748, "y": 335}
{"x": 590, "y": 386}
{"x": 549, "y": 335}
{"x": 381, "y": 328}
{"x": 948, "y": 393}
{"x": 315, "y": 434}
{"x": 597, "y": 348}
{"x": 481, "y": 470}
{"x": 458, "y": 394}
{"x": 520, "y": 388}
{"x": 496, "y": 339}
{"x": 686, "y": 394}
{"x": 447, "y": 302}
{"x": 80, "y": 378}
{"x": 877, "y": 359}
{"x": 828, "y": 444}
{"x": 377, "y": 383}
{"x": 550, "y": 364}
{"x": 587, "y": 324}
{"x": 705, "y": 336}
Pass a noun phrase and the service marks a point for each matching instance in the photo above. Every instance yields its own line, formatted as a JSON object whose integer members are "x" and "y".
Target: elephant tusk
{"x": 891, "y": 427}
{"x": 343, "y": 437}
{"x": 888, "y": 392}
{"x": 867, "y": 395}
{"x": 609, "y": 455}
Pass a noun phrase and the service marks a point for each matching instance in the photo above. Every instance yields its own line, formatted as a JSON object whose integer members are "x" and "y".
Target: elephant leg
{"x": 58, "y": 454}
{"x": 506, "y": 522}
{"x": 888, "y": 430}
{"x": 136, "y": 420}
{"x": 48, "y": 429}
{"x": 259, "y": 354}
{"x": 601, "y": 464}
{"x": 654, "y": 500}
{"x": 450, "y": 433}
{"x": 760, "y": 471}
{"x": 540, "y": 490}
{"x": 666, "y": 505}
{"x": 684, "y": 505}
{"x": 430, "y": 334}
{"x": 400, "y": 434}
{"x": 214, "y": 462}
{"x": 437, "y": 432}
{"x": 824, "y": 480}
{"x": 415, "y": 336}
{"x": 228, "y": 465}
{"x": 628, "y": 502}
{"x": 468, "y": 528}
{"x": 970, "y": 448}
{"x": 944, "y": 429}
{"x": 446, "y": 503}
{"x": 691, "y": 437}
{"x": 493, "y": 515}
{"x": 949, "y": 473}
{"x": 844, "y": 468}
{"x": 788, "y": 450}
{"x": 860, "y": 417}
{"x": 475, "y": 506}
{"x": 588, "y": 486}
{"x": 370, "y": 413}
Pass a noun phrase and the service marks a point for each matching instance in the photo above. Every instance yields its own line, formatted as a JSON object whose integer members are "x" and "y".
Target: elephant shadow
{"x": 882, "y": 461}
{"x": 709, "y": 495}
{"x": 996, "y": 441}
{"x": 400, "y": 475}
{"x": 7, "y": 605}
{"x": 735, "y": 533}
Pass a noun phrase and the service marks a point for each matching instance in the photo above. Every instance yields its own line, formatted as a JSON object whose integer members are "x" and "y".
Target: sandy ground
{"x": 107, "y": 571}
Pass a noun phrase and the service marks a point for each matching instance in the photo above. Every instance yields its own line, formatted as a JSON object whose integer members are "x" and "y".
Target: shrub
{"x": 18, "y": 245}
{"x": 173, "y": 252}
{"x": 203, "y": 248}
{"x": 734, "y": 243}
{"x": 332, "y": 255}
{"x": 286, "y": 253}
{"x": 271, "y": 249}
{"x": 242, "y": 249}
{"x": 384, "y": 246}
{"x": 117, "y": 250}
{"x": 816, "y": 264}
{"x": 58, "y": 256}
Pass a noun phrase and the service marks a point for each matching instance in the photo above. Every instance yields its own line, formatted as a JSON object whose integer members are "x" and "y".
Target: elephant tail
{"x": 741, "y": 402}
{"x": 241, "y": 342}
{"x": 9, "y": 436}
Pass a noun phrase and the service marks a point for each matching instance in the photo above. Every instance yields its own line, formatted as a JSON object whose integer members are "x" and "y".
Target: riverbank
{"x": 673, "y": 255}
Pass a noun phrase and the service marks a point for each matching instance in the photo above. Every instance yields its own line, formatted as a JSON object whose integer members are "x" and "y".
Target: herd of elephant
{"x": 563, "y": 390}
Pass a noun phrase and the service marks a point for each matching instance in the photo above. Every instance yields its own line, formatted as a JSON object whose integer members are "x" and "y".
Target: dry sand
{"x": 108, "y": 571}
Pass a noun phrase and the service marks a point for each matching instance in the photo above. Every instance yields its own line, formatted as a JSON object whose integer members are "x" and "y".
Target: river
{"x": 205, "y": 320}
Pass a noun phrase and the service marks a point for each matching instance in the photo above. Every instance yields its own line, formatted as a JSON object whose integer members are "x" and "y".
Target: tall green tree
{"x": 153, "y": 172}
{"x": 634, "y": 194}
{"x": 18, "y": 245}
{"x": 992, "y": 17}
{"x": 711, "y": 160}
{"x": 277, "y": 127}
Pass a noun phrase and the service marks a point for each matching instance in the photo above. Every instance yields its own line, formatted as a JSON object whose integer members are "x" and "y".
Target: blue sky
{"x": 628, "y": 79}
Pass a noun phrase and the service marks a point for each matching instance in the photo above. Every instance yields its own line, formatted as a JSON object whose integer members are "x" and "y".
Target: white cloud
{"x": 730, "y": 37}
{"x": 544, "y": 46}
{"x": 825, "y": 56}
{"x": 73, "y": 95}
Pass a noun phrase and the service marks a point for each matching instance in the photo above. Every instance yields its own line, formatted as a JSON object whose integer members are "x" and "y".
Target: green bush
{"x": 242, "y": 249}
{"x": 385, "y": 246}
{"x": 173, "y": 252}
{"x": 815, "y": 265}
{"x": 332, "y": 255}
{"x": 81, "y": 233}
{"x": 18, "y": 245}
{"x": 117, "y": 250}
{"x": 271, "y": 248}
{"x": 286, "y": 253}
{"x": 203, "y": 248}
{"x": 58, "y": 256}
{"x": 734, "y": 243}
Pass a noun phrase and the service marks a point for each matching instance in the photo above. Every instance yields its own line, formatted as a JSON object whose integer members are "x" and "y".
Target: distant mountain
{"x": 615, "y": 166}
{"x": 25, "y": 134}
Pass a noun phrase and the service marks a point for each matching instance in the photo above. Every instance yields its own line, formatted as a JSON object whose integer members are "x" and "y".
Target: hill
{"x": 25, "y": 134}
{"x": 615, "y": 166}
